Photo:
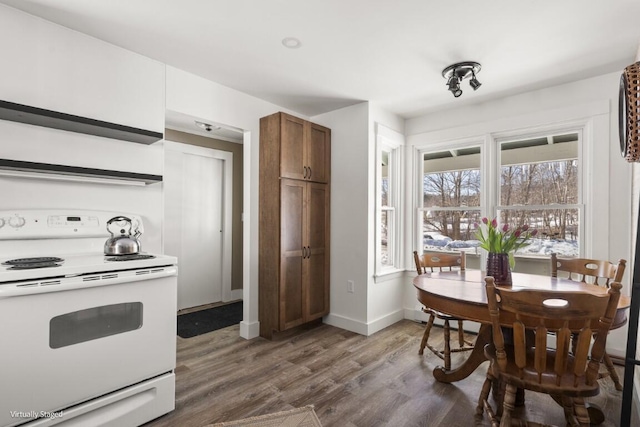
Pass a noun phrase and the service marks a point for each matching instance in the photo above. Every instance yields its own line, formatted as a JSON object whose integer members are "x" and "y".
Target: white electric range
{"x": 88, "y": 339}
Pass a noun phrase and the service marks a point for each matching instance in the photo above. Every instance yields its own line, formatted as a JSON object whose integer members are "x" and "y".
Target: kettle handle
{"x": 119, "y": 218}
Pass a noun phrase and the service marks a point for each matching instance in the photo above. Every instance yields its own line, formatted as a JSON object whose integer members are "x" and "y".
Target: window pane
{"x": 452, "y": 178}
{"x": 540, "y": 171}
{"x": 385, "y": 179}
{"x": 385, "y": 234}
{"x": 449, "y": 230}
{"x": 557, "y": 230}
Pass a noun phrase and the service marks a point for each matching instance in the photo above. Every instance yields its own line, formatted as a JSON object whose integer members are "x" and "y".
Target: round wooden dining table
{"x": 462, "y": 294}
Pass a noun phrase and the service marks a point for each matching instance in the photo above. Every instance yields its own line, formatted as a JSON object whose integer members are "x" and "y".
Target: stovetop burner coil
{"x": 34, "y": 261}
{"x": 131, "y": 257}
{"x": 31, "y": 265}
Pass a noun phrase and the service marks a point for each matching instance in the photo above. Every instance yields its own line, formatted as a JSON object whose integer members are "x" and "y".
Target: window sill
{"x": 390, "y": 274}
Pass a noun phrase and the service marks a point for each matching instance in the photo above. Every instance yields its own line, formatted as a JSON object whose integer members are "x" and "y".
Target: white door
{"x": 197, "y": 206}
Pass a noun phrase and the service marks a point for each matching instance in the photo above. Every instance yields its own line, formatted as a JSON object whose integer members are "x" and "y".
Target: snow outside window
{"x": 536, "y": 181}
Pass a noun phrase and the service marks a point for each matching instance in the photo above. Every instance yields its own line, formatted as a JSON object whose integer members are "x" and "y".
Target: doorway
{"x": 197, "y": 221}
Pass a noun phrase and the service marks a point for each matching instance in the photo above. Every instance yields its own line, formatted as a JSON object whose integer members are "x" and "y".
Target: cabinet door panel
{"x": 292, "y": 147}
{"x": 318, "y": 153}
{"x": 292, "y": 294}
{"x": 317, "y": 267}
{"x": 292, "y": 223}
{"x": 318, "y": 279}
{"x": 318, "y": 212}
{"x": 292, "y": 210}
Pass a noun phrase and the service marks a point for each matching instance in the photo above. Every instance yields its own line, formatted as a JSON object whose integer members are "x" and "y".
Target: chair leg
{"x": 569, "y": 410}
{"x": 460, "y": 334}
{"x": 484, "y": 397}
{"x": 498, "y": 397}
{"x": 581, "y": 412}
{"x": 508, "y": 405}
{"x": 425, "y": 336}
{"x": 447, "y": 346}
{"x": 612, "y": 372}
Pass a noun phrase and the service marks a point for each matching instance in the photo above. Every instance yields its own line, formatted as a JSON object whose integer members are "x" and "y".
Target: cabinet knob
{"x": 309, "y": 172}
{"x": 305, "y": 172}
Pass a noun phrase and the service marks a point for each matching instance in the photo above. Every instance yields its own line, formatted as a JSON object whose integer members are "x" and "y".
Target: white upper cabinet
{"x": 48, "y": 66}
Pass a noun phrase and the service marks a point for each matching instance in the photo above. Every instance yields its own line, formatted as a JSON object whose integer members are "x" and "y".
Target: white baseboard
{"x": 384, "y": 321}
{"x": 234, "y": 295}
{"x": 249, "y": 330}
{"x": 420, "y": 316}
{"x": 347, "y": 323}
{"x": 362, "y": 328}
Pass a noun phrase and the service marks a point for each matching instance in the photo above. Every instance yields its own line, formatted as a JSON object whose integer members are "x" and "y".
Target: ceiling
{"x": 388, "y": 52}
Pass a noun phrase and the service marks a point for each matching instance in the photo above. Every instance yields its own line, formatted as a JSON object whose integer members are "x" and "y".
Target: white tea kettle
{"x": 125, "y": 243}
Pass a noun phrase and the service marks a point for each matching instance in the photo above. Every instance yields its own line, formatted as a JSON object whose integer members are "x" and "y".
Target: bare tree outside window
{"x": 538, "y": 186}
{"x": 548, "y": 183}
{"x": 451, "y": 189}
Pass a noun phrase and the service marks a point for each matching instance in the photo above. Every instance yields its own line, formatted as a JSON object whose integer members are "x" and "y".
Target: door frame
{"x": 227, "y": 209}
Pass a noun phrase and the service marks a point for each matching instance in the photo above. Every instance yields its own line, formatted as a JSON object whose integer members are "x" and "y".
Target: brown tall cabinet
{"x": 295, "y": 159}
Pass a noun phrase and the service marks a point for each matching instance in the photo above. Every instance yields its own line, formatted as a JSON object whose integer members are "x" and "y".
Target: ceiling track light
{"x": 457, "y": 72}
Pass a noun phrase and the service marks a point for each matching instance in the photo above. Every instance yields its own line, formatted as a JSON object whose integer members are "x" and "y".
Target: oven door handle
{"x": 84, "y": 281}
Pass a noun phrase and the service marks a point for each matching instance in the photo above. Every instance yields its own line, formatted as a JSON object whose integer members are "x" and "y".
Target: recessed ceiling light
{"x": 291, "y": 42}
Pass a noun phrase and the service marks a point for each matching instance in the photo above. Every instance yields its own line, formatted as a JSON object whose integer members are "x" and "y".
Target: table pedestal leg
{"x": 476, "y": 357}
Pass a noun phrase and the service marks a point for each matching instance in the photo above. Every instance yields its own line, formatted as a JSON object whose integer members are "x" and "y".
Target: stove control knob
{"x": 16, "y": 221}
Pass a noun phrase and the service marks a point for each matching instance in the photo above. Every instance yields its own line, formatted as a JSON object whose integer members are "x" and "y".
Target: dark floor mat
{"x": 211, "y": 319}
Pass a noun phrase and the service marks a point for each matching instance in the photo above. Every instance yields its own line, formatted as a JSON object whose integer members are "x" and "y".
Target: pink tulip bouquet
{"x": 503, "y": 239}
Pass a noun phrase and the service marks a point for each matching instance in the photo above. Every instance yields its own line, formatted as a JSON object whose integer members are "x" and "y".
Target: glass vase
{"x": 498, "y": 267}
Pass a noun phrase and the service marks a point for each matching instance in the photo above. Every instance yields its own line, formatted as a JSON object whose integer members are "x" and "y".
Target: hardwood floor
{"x": 350, "y": 379}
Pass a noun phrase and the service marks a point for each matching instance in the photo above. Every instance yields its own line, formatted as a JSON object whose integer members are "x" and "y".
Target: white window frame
{"x": 391, "y": 142}
{"x": 551, "y": 131}
{"x": 490, "y": 173}
{"x": 445, "y": 146}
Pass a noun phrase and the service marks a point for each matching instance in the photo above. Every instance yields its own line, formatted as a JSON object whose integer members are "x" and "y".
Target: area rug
{"x": 299, "y": 417}
{"x": 208, "y": 320}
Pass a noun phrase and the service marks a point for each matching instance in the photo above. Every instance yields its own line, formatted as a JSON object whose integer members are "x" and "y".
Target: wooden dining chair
{"x": 597, "y": 272}
{"x": 568, "y": 375}
{"x": 439, "y": 261}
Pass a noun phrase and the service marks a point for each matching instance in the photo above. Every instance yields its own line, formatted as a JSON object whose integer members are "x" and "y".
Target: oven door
{"x": 64, "y": 347}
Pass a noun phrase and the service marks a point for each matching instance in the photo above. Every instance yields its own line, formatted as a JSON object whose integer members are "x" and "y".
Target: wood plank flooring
{"x": 350, "y": 379}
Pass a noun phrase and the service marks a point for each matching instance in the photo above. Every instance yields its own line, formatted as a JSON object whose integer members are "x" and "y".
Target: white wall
{"x": 49, "y": 66}
{"x": 372, "y": 306}
{"x": 386, "y": 293}
{"x": 593, "y": 101}
{"x": 52, "y": 67}
{"x": 349, "y": 215}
